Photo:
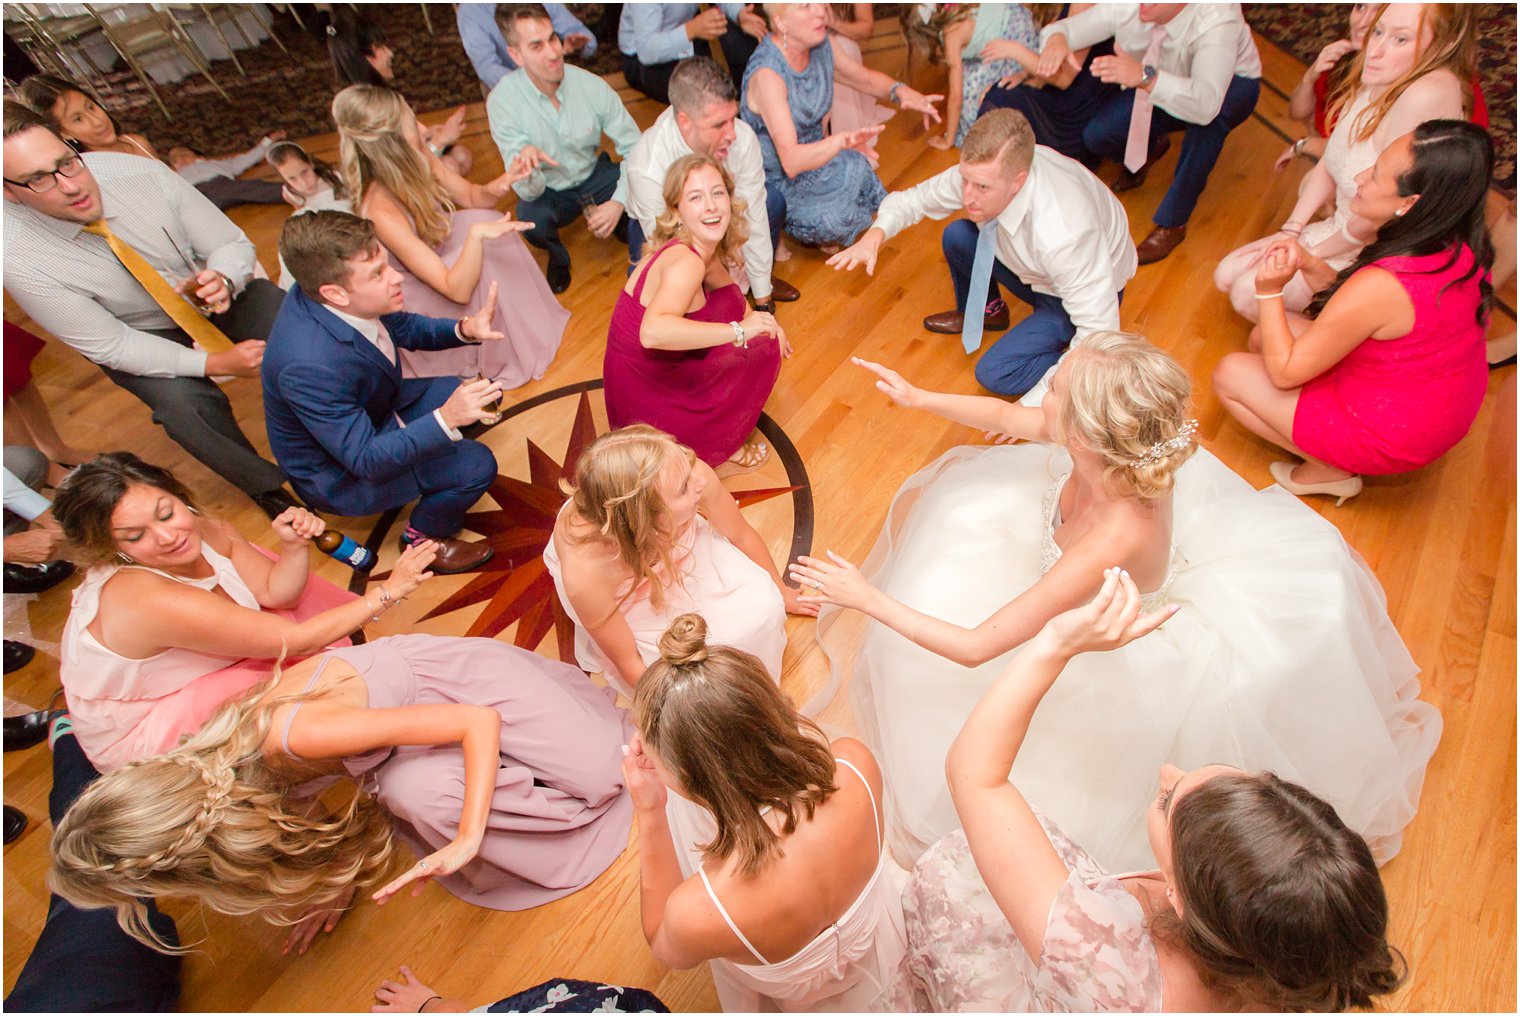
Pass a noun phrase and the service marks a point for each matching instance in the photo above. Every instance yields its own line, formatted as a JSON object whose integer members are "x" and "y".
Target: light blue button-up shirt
{"x": 656, "y": 33}
{"x": 570, "y": 134}
{"x": 487, "y": 48}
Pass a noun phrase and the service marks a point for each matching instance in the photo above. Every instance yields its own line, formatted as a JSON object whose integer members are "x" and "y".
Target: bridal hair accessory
{"x": 1161, "y": 449}
{"x": 332, "y": 31}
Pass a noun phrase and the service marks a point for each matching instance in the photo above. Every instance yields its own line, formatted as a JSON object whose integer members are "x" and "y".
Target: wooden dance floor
{"x": 1442, "y": 542}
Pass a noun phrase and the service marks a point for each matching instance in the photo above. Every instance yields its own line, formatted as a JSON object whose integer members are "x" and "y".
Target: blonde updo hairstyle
{"x": 1123, "y": 398}
{"x": 372, "y": 148}
{"x": 725, "y": 731}
{"x": 210, "y": 821}
{"x": 617, "y": 490}
{"x": 668, "y": 225}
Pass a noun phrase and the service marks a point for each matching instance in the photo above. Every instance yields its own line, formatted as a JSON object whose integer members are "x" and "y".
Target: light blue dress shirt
{"x": 571, "y": 135}
{"x": 656, "y": 33}
{"x": 487, "y": 47}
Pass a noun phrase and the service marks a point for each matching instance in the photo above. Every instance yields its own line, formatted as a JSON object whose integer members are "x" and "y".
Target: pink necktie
{"x": 1137, "y": 148}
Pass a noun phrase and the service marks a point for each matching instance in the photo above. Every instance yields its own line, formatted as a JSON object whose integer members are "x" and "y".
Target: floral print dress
{"x": 963, "y": 955}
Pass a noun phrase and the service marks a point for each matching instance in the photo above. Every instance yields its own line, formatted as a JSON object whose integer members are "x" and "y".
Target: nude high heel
{"x": 1341, "y": 490}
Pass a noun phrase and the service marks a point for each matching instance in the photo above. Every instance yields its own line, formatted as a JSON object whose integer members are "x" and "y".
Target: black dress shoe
{"x": 26, "y": 730}
{"x": 17, "y": 655}
{"x": 559, "y": 278}
{"x": 273, "y": 502}
{"x": 15, "y": 823}
{"x": 34, "y": 578}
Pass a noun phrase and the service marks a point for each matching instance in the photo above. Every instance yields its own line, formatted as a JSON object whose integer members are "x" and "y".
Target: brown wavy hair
{"x": 210, "y": 820}
{"x": 668, "y": 225}
{"x": 372, "y": 148}
{"x": 1452, "y": 46}
{"x": 723, "y": 728}
{"x": 616, "y": 489}
{"x": 90, "y": 493}
{"x": 1282, "y": 904}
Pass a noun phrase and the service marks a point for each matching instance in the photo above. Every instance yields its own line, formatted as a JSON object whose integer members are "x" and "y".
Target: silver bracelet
{"x": 374, "y": 611}
{"x": 739, "y": 338}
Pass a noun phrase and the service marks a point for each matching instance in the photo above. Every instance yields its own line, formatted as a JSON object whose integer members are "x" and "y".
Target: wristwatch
{"x": 1147, "y": 75}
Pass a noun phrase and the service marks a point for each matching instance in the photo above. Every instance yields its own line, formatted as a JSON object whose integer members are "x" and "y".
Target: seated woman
{"x": 310, "y": 184}
{"x": 449, "y": 260}
{"x": 830, "y": 183}
{"x": 1283, "y": 653}
{"x": 1415, "y": 67}
{"x": 982, "y": 45}
{"x": 685, "y": 353}
{"x": 179, "y": 612}
{"x": 361, "y": 55}
{"x": 499, "y": 768}
{"x": 649, "y": 534}
{"x": 796, "y": 868}
{"x": 1310, "y": 99}
{"x": 1386, "y": 370}
{"x": 80, "y": 119}
{"x": 1260, "y": 898}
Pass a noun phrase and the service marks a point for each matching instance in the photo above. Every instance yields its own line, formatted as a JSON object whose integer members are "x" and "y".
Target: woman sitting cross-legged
{"x": 792, "y": 901}
{"x": 501, "y": 769}
{"x": 1263, "y": 899}
{"x": 1386, "y": 370}
{"x": 179, "y": 612}
{"x": 447, "y": 241}
{"x": 684, "y": 351}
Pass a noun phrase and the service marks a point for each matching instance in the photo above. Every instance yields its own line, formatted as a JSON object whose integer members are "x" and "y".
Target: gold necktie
{"x": 180, "y": 310}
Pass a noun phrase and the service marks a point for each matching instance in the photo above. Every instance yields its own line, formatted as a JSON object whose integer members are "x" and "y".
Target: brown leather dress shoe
{"x": 951, "y": 322}
{"x": 1161, "y": 242}
{"x": 456, "y": 556}
{"x": 1127, "y": 181}
{"x": 783, "y": 291}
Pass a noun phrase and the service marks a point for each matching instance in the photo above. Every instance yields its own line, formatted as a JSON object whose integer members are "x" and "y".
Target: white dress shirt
{"x": 73, "y": 285}
{"x": 375, "y": 334}
{"x": 1206, "y": 46}
{"x": 1064, "y": 233}
{"x": 657, "y": 151}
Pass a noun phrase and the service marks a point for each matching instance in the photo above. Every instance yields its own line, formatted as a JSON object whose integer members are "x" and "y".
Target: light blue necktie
{"x": 976, "y": 296}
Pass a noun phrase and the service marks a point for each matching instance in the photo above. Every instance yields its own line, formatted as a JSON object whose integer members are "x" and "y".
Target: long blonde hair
{"x": 723, "y": 728}
{"x": 617, "y": 491}
{"x": 209, "y": 820}
{"x": 372, "y": 148}
{"x": 1452, "y": 47}
{"x": 668, "y": 225}
{"x": 1127, "y": 401}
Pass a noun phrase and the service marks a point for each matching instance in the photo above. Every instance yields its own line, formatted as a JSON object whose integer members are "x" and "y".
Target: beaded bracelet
{"x": 739, "y": 338}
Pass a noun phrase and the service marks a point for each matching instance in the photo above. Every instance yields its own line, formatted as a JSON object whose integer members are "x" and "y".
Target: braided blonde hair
{"x": 616, "y": 489}
{"x": 1127, "y": 401}
{"x": 372, "y": 148}
{"x": 209, "y": 820}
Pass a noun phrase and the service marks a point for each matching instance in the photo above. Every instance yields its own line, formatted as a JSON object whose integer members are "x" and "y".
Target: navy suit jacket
{"x": 331, "y": 401}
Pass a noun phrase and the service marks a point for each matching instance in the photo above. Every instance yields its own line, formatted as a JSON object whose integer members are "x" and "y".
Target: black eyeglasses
{"x": 48, "y": 179}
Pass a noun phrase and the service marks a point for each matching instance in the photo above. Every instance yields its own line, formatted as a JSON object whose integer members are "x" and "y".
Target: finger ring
{"x": 423, "y": 865}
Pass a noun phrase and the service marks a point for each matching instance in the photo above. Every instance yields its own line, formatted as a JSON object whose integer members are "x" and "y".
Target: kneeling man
{"x": 350, "y": 433}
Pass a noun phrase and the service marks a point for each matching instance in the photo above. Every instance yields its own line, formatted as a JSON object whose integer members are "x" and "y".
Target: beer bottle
{"x": 336, "y": 545}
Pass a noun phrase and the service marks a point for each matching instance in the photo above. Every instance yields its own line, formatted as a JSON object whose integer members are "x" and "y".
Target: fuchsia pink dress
{"x": 708, "y": 399}
{"x": 1399, "y": 404}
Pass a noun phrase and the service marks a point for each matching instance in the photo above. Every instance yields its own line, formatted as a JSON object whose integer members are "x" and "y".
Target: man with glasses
{"x": 133, "y": 267}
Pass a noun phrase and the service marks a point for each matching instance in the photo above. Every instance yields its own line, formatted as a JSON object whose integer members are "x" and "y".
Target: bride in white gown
{"x": 1281, "y": 657}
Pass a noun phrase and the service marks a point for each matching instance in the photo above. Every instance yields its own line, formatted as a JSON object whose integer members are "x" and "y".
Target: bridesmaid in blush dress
{"x": 684, "y": 352}
{"x": 447, "y": 240}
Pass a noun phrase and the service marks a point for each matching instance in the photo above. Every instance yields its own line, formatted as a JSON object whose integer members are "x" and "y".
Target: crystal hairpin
{"x": 1162, "y": 449}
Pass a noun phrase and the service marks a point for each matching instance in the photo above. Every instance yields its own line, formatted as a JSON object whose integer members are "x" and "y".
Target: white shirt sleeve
{"x": 935, "y": 198}
{"x": 1197, "y": 98}
{"x": 1092, "y": 26}
{"x": 759, "y": 256}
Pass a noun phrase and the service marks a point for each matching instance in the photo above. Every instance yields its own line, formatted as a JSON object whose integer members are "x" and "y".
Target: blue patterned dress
{"x": 978, "y": 74}
{"x": 836, "y": 202}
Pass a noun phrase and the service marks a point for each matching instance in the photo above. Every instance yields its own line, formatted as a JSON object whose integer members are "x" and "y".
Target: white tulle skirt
{"x": 1282, "y": 658}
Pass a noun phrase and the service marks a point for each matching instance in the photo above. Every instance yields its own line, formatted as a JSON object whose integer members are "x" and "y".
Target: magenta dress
{"x": 1399, "y": 404}
{"x": 559, "y": 814}
{"x": 527, "y": 313}
{"x": 708, "y": 399}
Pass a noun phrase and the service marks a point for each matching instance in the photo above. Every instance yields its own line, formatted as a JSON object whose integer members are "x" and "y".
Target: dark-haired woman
{"x": 1387, "y": 370}
{"x": 80, "y": 119}
{"x": 361, "y": 55}
{"x": 179, "y": 613}
{"x": 792, "y": 899}
{"x": 1262, "y": 898}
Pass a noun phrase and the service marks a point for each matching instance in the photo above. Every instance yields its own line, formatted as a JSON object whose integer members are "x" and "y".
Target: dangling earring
{"x": 783, "y": 40}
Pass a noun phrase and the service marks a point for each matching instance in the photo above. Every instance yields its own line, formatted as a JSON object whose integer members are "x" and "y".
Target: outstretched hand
{"x": 1108, "y": 621}
{"x": 441, "y": 862}
{"x": 891, "y": 384}
{"x": 314, "y": 920}
{"x": 411, "y": 996}
{"x": 835, "y": 581}
{"x": 862, "y": 252}
{"x": 478, "y": 325}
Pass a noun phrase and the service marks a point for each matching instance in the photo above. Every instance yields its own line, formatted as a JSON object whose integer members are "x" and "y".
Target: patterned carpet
{"x": 1304, "y": 29}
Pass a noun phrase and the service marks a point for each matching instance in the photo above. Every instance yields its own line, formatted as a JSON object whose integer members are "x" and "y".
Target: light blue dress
{"x": 836, "y": 202}
{"x": 993, "y": 21}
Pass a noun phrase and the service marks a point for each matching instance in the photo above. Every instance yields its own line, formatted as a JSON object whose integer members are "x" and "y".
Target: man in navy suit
{"x": 351, "y": 435}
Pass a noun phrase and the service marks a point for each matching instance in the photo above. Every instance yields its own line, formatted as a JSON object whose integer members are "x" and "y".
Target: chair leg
{"x": 222, "y": 36}
{"x": 186, "y": 47}
{"x": 257, "y": 10}
{"x": 426, "y": 18}
{"x": 295, "y": 16}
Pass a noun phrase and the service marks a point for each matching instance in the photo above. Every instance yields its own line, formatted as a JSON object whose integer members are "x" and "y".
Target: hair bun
{"x": 685, "y": 641}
